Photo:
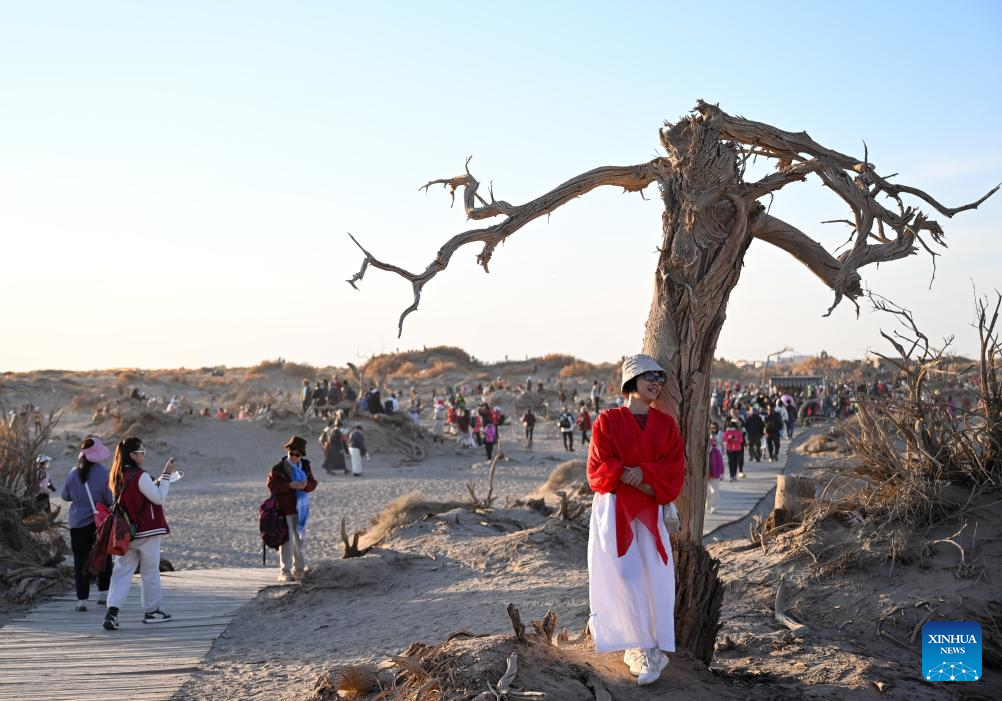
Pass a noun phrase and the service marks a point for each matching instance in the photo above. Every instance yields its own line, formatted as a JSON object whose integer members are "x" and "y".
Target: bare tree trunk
{"x": 707, "y": 229}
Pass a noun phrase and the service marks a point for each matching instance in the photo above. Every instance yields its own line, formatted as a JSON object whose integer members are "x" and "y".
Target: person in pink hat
{"x": 85, "y": 487}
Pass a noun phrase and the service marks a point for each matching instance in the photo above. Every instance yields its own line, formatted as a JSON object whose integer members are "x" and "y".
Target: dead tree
{"x": 711, "y": 216}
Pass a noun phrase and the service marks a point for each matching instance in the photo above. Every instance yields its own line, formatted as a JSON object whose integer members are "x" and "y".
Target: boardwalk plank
{"x": 137, "y": 662}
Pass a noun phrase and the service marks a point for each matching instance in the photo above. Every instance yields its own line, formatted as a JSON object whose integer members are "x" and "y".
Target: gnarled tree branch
{"x": 631, "y": 178}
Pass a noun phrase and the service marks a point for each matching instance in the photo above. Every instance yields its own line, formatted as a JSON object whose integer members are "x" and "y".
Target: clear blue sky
{"x": 177, "y": 179}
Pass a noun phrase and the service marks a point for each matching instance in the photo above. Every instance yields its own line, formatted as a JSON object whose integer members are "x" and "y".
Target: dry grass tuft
{"x": 404, "y": 510}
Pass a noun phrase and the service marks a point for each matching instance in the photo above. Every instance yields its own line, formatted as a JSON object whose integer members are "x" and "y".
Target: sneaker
{"x": 110, "y": 621}
{"x": 285, "y": 577}
{"x": 81, "y": 607}
{"x": 157, "y": 616}
{"x": 632, "y": 657}
{"x": 741, "y": 475}
{"x": 652, "y": 663}
{"x": 733, "y": 479}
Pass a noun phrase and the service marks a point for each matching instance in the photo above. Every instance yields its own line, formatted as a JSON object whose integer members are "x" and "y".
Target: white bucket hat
{"x": 637, "y": 365}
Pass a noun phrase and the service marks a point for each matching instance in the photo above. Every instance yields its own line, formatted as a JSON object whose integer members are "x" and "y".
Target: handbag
{"x": 101, "y": 511}
{"x": 122, "y": 531}
{"x": 97, "y": 559}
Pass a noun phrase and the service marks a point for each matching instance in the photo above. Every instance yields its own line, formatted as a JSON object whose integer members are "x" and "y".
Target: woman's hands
{"x": 634, "y": 477}
{"x": 297, "y": 485}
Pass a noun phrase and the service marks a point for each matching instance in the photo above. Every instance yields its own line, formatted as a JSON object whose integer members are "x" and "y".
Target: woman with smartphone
{"x": 142, "y": 498}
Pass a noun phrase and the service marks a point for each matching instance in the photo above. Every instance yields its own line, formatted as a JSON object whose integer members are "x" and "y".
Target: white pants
{"x": 144, "y": 553}
{"x": 712, "y": 492}
{"x": 290, "y": 555}
{"x": 416, "y": 418}
{"x": 633, "y": 596}
{"x": 356, "y": 460}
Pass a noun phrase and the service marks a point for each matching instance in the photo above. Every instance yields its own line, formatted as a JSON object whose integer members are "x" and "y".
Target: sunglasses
{"x": 654, "y": 376}
{"x": 294, "y": 454}
{"x": 140, "y": 452}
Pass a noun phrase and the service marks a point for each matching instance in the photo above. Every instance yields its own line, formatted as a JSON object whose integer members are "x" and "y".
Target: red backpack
{"x": 274, "y": 529}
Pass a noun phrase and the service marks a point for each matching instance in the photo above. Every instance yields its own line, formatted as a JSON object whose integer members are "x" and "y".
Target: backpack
{"x": 274, "y": 529}
{"x": 565, "y": 421}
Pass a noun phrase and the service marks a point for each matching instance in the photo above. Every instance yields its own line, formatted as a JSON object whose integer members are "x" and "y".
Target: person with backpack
{"x": 754, "y": 429}
{"x": 529, "y": 421}
{"x": 734, "y": 442}
{"x": 142, "y": 499}
{"x": 85, "y": 487}
{"x": 490, "y": 438}
{"x": 565, "y": 422}
{"x": 290, "y": 482}
{"x": 636, "y": 467}
{"x": 773, "y": 432}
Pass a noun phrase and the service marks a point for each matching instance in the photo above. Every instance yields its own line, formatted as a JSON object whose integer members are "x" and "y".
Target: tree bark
{"x": 706, "y": 231}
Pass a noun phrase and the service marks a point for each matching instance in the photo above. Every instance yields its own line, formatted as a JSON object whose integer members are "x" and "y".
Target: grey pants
{"x": 290, "y": 555}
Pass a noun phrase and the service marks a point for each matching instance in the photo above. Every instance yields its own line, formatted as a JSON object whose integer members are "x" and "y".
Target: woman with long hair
{"x": 85, "y": 487}
{"x": 636, "y": 467}
{"x": 142, "y": 498}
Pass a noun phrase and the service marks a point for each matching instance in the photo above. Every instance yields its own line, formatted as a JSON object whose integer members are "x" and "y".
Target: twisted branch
{"x": 631, "y": 178}
{"x": 797, "y": 155}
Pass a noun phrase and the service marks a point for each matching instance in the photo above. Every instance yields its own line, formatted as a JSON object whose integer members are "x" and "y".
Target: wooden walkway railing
{"x": 56, "y": 653}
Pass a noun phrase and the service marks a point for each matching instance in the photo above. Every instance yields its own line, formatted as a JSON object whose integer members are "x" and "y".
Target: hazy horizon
{"x": 178, "y": 181}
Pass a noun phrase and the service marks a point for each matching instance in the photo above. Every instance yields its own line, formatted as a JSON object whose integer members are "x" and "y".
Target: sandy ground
{"x": 213, "y": 509}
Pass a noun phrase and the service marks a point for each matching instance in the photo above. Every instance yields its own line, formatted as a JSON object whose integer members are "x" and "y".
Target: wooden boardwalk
{"x": 738, "y": 499}
{"x": 57, "y": 653}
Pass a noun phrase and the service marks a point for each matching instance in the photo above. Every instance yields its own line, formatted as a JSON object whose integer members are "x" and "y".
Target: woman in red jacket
{"x": 290, "y": 482}
{"x": 142, "y": 497}
{"x": 636, "y": 466}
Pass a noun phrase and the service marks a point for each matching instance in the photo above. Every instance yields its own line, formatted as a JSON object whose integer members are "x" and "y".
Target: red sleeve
{"x": 277, "y": 485}
{"x": 604, "y": 466}
{"x": 311, "y": 483}
{"x": 667, "y": 474}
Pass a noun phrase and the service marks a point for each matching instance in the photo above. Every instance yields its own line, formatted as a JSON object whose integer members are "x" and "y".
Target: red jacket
{"x": 617, "y": 442}
{"x": 278, "y": 482}
{"x": 148, "y": 517}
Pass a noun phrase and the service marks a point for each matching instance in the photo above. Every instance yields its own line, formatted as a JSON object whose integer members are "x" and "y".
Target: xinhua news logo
{"x": 951, "y": 651}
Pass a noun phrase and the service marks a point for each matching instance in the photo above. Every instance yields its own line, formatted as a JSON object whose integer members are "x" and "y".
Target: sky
{"x": 177, "y": 180}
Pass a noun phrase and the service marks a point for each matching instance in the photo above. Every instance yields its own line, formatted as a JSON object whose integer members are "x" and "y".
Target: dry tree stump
{"x": 793, "y": 494}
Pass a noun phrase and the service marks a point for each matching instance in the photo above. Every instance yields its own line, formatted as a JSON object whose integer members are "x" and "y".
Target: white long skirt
{"x": 633, "y": 596}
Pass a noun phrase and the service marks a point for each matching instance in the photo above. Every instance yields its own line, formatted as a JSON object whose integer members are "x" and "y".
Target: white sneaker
{"x": 632, "y": 657}
{"x": 285, "y": 577}
{"x": 652, "y": 663}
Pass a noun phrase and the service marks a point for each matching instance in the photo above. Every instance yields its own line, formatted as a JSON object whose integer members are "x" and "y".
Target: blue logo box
{"x": 951, "y": 651}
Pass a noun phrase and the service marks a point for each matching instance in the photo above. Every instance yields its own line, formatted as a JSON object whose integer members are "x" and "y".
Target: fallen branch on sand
{"x": 351, "y": 548}
{"x": 471, "y": 488}
{"x": 797, "y": 627}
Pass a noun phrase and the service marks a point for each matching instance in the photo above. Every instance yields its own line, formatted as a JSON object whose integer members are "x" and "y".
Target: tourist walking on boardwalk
{"x": 754, "y": 430}
{"x": 791, "y": 416}
{"x": 636, "y": 467}
{"x": 565, "y": 422}
{"x": 490, "y": 438}
{"x": 714, "y": 468}
{"x": 734, "y": 442}
{"x": 773, "y": 431}
{"x": 85, "y": 487}
{"x": 356, "y": 449}
{"x": 290, "y": 482}
{"x": 529, "y": 421}
{"x": 334, "y": 446}
{"x": 142, "y": 499}
{"x": 596, "y": 396}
